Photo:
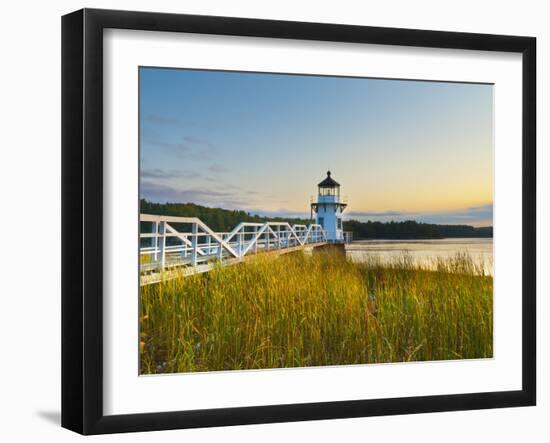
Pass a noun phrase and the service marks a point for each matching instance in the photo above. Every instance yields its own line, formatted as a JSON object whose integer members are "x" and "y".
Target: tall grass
{"x": 321, "y": 309}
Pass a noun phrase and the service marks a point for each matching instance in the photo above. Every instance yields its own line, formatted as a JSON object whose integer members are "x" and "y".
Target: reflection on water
{"x": 424, "y": 252}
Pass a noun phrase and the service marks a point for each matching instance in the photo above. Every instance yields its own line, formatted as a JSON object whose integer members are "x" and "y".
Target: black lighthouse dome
{"x": 329, "y": 182}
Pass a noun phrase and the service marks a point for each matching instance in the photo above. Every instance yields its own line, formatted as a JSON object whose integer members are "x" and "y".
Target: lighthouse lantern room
{"x": 328, "y": 209}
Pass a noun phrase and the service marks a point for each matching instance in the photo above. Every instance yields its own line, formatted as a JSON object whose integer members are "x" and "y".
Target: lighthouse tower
{"x": 328, "y": 209}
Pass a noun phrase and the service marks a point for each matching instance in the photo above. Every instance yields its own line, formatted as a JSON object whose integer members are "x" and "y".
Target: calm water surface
{"x": 424, "y": 252}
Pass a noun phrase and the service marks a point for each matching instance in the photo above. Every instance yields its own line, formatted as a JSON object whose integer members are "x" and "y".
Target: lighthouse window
{"x": 322, "y": 221}
{"x": 339, "y": 223}
{"x": 329, "y": 191}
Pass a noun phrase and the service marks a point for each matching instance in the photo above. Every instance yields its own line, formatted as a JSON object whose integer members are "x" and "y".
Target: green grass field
{"x": 301, "y": 310}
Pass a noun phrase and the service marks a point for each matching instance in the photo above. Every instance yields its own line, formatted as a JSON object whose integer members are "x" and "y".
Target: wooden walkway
{"x": 182, "y": 246}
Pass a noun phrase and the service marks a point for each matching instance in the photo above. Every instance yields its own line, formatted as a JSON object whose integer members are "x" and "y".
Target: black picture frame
{"x": 82, "y": 218}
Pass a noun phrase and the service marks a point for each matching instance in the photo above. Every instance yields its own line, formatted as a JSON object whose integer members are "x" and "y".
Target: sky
{"x": 400, "y": 149}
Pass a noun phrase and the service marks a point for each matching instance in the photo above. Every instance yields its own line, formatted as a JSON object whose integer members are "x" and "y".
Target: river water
{"x": 424, "y": 252}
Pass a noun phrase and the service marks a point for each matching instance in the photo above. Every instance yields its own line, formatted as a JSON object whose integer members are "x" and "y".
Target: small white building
{"x": 328, "y": 209}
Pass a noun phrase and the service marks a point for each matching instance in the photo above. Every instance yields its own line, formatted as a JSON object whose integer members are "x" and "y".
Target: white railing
{"x": 328, "y": 199}
{"x": 348, "y": 236}
{"x": 167, "y": 241}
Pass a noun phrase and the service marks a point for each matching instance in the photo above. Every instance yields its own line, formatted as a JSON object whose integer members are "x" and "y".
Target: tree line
{"x": 223, "y": 220}
{"x": 412, "y": 230}
{"x": 219, "y": 220}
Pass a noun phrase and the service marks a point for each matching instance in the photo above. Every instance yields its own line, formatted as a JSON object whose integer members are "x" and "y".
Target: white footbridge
{"x": 174, "y": 246}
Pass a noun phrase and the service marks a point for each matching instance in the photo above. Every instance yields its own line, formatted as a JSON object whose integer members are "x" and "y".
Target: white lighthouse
{"x": 328, "y": 209}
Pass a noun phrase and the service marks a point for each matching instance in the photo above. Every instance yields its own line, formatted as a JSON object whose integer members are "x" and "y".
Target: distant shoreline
{"x": 222, "y": 220}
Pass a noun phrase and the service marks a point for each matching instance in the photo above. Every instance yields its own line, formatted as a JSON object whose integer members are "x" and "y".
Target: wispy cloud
{"x": 181, "y": 147}
{"x": 475, "y": 215}
{"x": 161, "y": 174}
{"x": 192, "y": 139}
{"x": 159, "y": 192}
{"x": 161, "y": 120}
{"x": 218, "y": 169}
{"x": 170, "y": 176}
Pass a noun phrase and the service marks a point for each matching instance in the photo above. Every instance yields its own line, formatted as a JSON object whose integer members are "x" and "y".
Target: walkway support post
{"x": 241, "y": 236}
{"x": 155, "y": 232}
{"x": 162, "y": 226}
{"x": 194, "y": 242}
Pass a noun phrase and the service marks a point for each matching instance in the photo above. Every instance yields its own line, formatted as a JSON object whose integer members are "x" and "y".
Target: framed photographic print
{"x": 269, "y": 221}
